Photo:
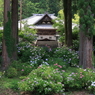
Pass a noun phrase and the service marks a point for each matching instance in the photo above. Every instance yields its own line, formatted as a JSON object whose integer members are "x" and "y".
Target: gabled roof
{"x": 45, "y": 17}
{"x": 36, "y": 18}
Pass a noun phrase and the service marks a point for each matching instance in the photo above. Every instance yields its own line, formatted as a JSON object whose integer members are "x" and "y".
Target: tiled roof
{"x": 35, "y": 18}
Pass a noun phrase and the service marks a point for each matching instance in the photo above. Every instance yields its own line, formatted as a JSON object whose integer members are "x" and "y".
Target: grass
{"x": 7, "y": 87}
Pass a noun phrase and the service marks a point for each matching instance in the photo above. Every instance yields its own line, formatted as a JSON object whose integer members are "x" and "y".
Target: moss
{"x": 8, "y": 35}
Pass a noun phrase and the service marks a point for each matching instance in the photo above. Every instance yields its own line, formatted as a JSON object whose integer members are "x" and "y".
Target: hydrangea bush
{"x": 91, "y": 88}
{"x": 23, "y": 69}
{"x": 69, "y": 56}
{"x": 28, "y": 52}
{"x": 39, "y": 55}
{"x": 44, "y": 80}
{"x": 80, "y": 79}
{"x": 11, "y": 72}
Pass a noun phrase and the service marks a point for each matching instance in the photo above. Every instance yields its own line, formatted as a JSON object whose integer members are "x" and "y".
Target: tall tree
{"x": 86, "y": 12}
{"x": 6, "y": 35}
{"x": 53, "y": 6}
{"x": 10, "y": 34}
{"x": 14, "y": 27}
{"x": 68, "y": 21}
{"x": 39, "y": 7}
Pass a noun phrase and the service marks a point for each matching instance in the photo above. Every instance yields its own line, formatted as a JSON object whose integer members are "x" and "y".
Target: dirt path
{"x": 8, "y": 92}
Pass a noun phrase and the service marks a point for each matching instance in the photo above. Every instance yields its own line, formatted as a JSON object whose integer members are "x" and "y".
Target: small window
{"x": 43, "y": 22}
{"x": 41, "y": 37}
{"x": 48, "y": 22}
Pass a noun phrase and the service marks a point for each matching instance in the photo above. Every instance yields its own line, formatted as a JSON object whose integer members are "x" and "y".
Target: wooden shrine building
{"x": 46, "y": 33}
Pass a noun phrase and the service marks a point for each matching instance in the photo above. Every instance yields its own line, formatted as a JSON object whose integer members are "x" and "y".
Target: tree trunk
{"x": 68, "y": 22}
{"x": 86, "y": 35}
{"x": 87, "y": 49}
{"x": 5, "y": 57}
{"x": 81, "y": 45}
{"x": 15, "y": 27}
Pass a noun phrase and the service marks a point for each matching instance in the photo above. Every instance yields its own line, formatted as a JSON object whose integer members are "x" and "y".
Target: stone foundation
{"x": 52, "y": 44}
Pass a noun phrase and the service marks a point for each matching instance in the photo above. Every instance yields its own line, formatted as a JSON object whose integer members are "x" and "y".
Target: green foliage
{"x": 27, "y": 34}
{"x": 74, "y": 7}
{"x": 78, "y": 79}
{"x": 75, "y": 37}
{"x": 23, "y": 69}
{"x": 75, "y": 33}
{"x": 43, "y": 80}
{"x": 76, "y": 19}
{"x": 61, "y": 14}
{"x": 0, "y": 48}
{"x": 67, "y": 55}
{"x": 29, "y": 52}
{"x": 58, "y": 23}
{"x": 24, "y": 49}
{"x": 38, "y": 55}
{"x": 11, "y": 72}
{"x": 1, "y": 74}
{"x": 57, "y": 63}
{"x": 86, "y": 14}
{"x": 29, "y": 7}
{"x": 75, "y": 45}
{"x": 9, "y": 83}
{"x": 53, "y": 6}
{"x": 1, "y": 12}
{"x": 8, "y": 35}
{"x": 13, "y": 85}
{"x": 91, "y": 88}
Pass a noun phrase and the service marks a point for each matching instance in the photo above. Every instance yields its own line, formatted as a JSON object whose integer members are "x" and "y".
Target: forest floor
{"x": 8, "y": 92}
{"x": 11, "y": 92}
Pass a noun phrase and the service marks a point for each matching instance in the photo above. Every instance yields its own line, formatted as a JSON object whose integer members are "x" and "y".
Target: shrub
{"x": 27, "y": 52}
{"x": 78, "y": 80}
{"x": 91, "y": 88}
{"x": 75, "y": 45}
{"x": 38, "y": 55}
{"x": 57, "y": 63}
{"x": 44, "y": 80}
{"x": 24, "y": 51}
{"x": 9, "y": 83}
{"x": 69, "y": 57}
{"x": 26, "y": 69}
{"x": 75, "y": 33}
{"x": 27, "y": 34}
{"x": 22, "y": 68}
{"x": 14, "y": 85}
{"x": 11, "y": 72}
{"x": 1, "y": 74}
